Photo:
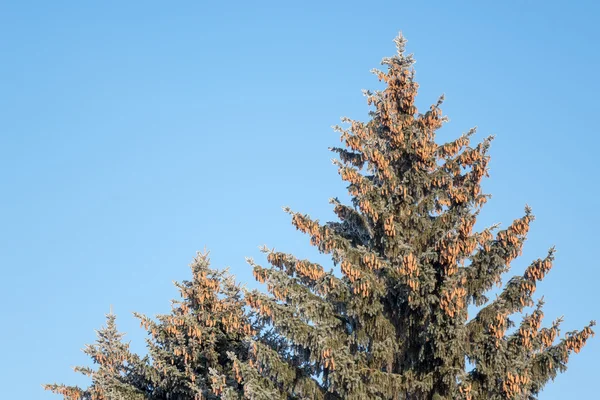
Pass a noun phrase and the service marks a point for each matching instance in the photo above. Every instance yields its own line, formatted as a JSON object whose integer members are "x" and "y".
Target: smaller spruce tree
{"x": 118, "y": 376}
{"x": 189, "y": 350}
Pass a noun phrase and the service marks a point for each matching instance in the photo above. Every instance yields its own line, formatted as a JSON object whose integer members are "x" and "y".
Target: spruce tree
{"x": 191, "y": 344}
{"x": 389, "y": 318}
{"x": 118, "y": 375}
{"x": 189, "y": 349}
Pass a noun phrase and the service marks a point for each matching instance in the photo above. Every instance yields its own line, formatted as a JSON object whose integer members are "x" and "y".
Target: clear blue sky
{"x": 134, "y": 133}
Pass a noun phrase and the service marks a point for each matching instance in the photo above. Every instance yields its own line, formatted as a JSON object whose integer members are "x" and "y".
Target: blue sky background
{"x": 135, "y": 133}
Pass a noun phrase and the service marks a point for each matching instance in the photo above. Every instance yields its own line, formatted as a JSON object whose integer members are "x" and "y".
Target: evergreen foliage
{"x": 389, "y": 321}
{"x": 188, "y": 348}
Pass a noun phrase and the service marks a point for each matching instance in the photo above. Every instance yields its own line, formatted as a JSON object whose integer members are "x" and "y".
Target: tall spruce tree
{"x": 389, "y": 320}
